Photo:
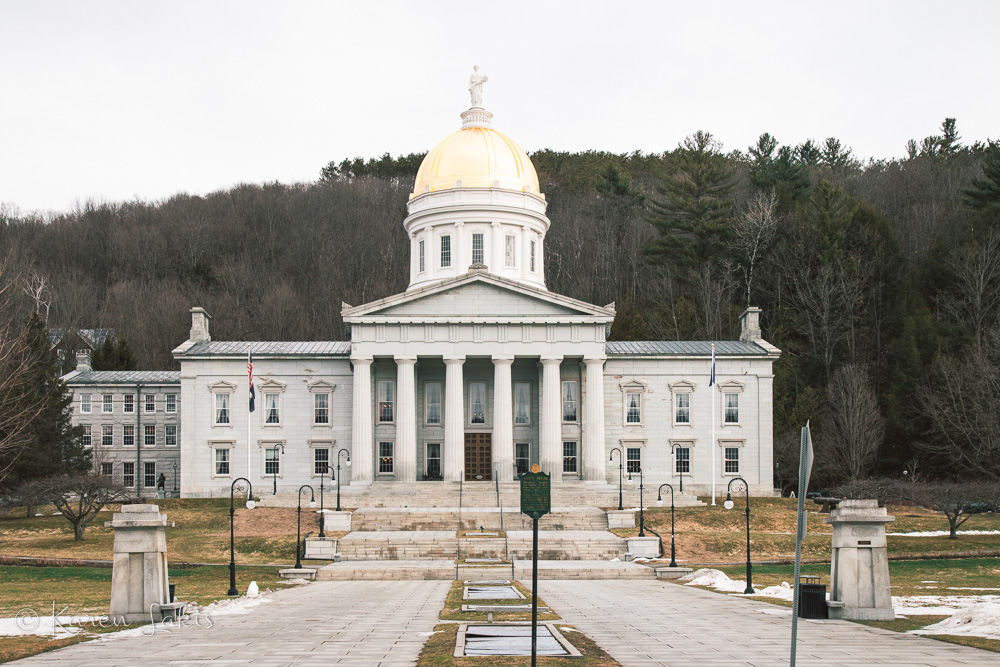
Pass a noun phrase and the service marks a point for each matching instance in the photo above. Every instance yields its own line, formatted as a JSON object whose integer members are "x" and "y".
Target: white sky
{"x": 117, "y": 100}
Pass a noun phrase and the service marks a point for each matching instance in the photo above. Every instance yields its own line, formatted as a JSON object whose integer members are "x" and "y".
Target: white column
{"x": 496, "y": 266}
{"x": 406, "y": 420}
{"x": 503, "y": 420}
{"x": 550, "y": 431}
{"x": 540, "y": 259}
{"x": 593, "y": 434}
{"x": 458, "y": 250}
{"x": 454, "y": 419}
{"x": 361, "y": 426}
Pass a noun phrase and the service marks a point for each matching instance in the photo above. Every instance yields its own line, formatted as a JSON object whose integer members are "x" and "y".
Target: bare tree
{"x": 974, "y": 295}
{"x": 754, "y": 232}
{"x": 36, "y": 286}
{"x": 80, "y": 497}
{"x": 857, "y": 428}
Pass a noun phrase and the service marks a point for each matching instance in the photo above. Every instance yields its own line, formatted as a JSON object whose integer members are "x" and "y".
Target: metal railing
{"x": 458, "y": 534}
{"x": 496, "y": 481}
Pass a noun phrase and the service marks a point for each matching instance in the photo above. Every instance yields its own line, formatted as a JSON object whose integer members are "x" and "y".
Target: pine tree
{"x": 114, "y": 356}
{"x": 984, "y": 193}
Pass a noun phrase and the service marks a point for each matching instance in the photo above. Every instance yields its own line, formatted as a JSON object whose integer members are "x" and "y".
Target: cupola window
{"x": 445, "y": 252}
{"x": 420, "y": 255}
{"x": 477, "y": 249}
{"x": 508, "y": 250}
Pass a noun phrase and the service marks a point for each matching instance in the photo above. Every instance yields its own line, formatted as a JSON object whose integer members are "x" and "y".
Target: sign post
{"x": 805, "y": 470}
{"x": 536, "y": 501}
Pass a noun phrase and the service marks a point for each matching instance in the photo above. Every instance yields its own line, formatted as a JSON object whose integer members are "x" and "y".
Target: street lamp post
{"x": 611, "y": 460}
{"x": 277, "y": 464}
{"x": 298, "y": 528}
{"x": 340, "y": 480}
{"x": 175, "y": 477}
{"x": 642, "y": 520}
{"x": 680, "y": 474}
{"x": 325, "y": 469}
{"x": 659, "y": 501}
{"x": 729, "y": 505}
{"x": 236, "y": 486}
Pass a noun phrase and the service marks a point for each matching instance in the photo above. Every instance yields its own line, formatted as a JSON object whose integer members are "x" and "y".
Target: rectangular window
{"x": 128, "y": 474}
{"x": 732, "y": 408}
{"x": 170, "y": 436}
{"x": 128, "y": 403}
{"x": 477, "y": 249}
{"x": 569, "y": 457}
{"x": 271, "y": 406}
{"x": 420, "y": 256}
{"x": 633, "y": 460}
{"x": 682, "y": 408}
{"x": 432, "y": 402}
{"x": 522, "y": 457}
{"x": 272, "y": 464}
{"x": 445, "y": 252}
{"x": 386, "y": 400}
{"x": 683, "y": 462}
{"x": 106, "y": 405}
{"x": 222, "y": 461}
{"x": 532, "y": 256}
{"x": 87, "y": 439}
{"x": 107, "y": 435}
{"x": 321, "y": 460}
{"x": 733, "y": 460}
{"x": 222, "y": 408}
{"x": 107, "y": 469}
{"x": 86, "y": 407}
{"x": 477, "y": 402}
{"x": 569, "y": 401}
{"x": 385, "y": 458}
{"x": 149, "y": 435}
{"x": 434, "y": 459}
{"x": 149, "y": 474}
{"x": 128, "y": 435}
{"x": 633, "y": 407}
{"x": 150, "y": 403}
{"x": 321, "y": 408}
{"x": 522, "y": 403}
{"x": 508, "y": 250}
{"x": 171, "y": 403}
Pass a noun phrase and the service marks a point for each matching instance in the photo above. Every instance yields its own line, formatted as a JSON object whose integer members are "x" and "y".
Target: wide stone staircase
{"x": 447, "y": 530}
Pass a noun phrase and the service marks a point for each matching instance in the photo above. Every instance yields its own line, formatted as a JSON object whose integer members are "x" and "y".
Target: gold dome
{"x": 478, "y": 157}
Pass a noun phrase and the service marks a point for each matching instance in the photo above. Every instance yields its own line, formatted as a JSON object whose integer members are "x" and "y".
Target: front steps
{"x": 439, "y": 545}
{"x": 447, "y": 570}
{"x": 474, "y": 518}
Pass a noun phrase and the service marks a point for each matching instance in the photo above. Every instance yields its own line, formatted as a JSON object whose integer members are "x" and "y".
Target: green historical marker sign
{"x": 536, "y": 493}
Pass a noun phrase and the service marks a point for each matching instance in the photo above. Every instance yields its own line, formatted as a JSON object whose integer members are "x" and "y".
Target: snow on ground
{"x": 47, "y": 626}
{"x": 945, "y": 533}
{"x": 981, "y": 620}
{"x": 939, "y": 605}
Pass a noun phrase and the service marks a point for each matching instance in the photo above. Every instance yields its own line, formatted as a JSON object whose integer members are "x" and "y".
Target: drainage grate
{"x": 502, "y": 607}
{"x": 510, "y": 640}
{"x": 492, "y": 593}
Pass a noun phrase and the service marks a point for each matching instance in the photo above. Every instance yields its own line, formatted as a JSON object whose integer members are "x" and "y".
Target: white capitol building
{"x": 475, "y": 372}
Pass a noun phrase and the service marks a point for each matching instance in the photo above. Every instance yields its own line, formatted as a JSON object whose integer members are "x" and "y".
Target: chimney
{"x": 83, "y": 360}
{"x": 199, "y": 325}
{"x": 750, "y": 325}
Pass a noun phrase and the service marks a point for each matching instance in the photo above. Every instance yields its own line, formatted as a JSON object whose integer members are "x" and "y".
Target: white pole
{"x": 712, "y": 392}
{"x": 249, "y": 416}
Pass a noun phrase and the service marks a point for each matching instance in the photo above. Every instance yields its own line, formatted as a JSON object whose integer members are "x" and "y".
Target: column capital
{"x": 454, "y": 359}
{"x": 361, "y": 359}
{"x": 595, "y": 359}
{"x": 405, "y": 358}
{"x": 494, "y": 224}
{"x": 460, "y": 224}
{"x": 551, "y": 359}
{"x": 499, "y": 359}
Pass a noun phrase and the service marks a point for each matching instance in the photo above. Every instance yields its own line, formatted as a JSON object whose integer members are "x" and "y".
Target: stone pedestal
{"x": 320, "y": 548}
{"x": 643, "y": 547}
{"x": 859, "y": 572}
{"x": 621, "y": 519}
{"x": 336, "y": 521}
{"x": 139, "y": 578}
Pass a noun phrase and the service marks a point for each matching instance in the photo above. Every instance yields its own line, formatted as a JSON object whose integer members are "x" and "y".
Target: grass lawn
{"x": 453, "y": 606}
{"x": 440, "y": 650}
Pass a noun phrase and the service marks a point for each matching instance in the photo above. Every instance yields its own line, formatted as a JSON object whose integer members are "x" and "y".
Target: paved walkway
{"x": 360, "y": 624}
{"x": 644, "y": 623}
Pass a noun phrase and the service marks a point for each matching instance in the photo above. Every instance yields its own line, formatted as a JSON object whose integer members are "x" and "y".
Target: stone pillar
{"x": 550, "y": 431}
{"x": 496, "y": 246}
{"x": 361, "y": 426}
{"x": 406, "y": 419}
{"x": 458, "y": 249}
{"x": 454, "y": 419}
{"x": 503, "y": 420}
{"x": 859, "y": 571}
{"x": 593, "y": 434}
{"x": 139, "y": 574}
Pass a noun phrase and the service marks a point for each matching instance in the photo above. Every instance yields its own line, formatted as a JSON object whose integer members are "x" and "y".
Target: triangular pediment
{"x": 477, "y": 296}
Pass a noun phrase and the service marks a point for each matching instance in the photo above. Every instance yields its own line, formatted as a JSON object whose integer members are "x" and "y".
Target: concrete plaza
{"x": 639, "y": 622}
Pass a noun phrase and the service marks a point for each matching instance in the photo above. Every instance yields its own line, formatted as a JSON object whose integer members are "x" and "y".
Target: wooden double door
{"x": 478, "y": 457}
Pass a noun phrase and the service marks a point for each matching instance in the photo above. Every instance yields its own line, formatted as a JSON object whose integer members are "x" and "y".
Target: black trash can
{"x": 173, "y": 587}
{"x": 812, "y": 600}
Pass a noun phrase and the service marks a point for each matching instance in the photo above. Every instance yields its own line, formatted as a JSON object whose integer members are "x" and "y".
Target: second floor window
{"x": 633, "y": 405}
{"x": 171, "y": 403}
{"x": 271, "y": 405}
{"x": 149, "y": 438}
{"x": 170, "y": 435}
{"x": 732, "y": 408}
{"x": 128, "y": 435}
{"x": 522, "y": 403}
{"x": 107, "y": 435}
{"x": 222, "y": 408}
{"x": 682, "y": 408}
{"x": 569, "y": 401}
{"x": 386, "y": 400}
{"x": 321, "y": 408}
{"x": 150, "y": 403}
{"x": 477, "y": 403}
{"x": 106, "y": 404}
{"x": 128, "y": 403}
{"x": 432, "y": 397}
{"x": 477, "y": 249}
{"x": 445, "y": 252}
{"x": 86, "y": 407}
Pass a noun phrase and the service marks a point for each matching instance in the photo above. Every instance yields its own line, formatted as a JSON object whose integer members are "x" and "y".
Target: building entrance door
{"x": 478, "y": 457}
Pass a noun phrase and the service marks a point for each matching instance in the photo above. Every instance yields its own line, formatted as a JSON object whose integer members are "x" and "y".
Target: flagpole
{"x": 249, "y": 414}
{"x": 711, "y": 383}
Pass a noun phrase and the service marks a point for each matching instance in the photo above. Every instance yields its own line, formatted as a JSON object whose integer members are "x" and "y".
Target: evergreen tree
{"x": 693, "y": 206}
{"x": 983, "y": 194}
{"x": 779, "y": 169}
{"x": 949, "y": 142}
{"x": 114, "y": 355}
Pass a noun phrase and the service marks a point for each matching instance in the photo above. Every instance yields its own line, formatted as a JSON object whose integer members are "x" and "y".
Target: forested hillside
{"x": 879, "y": 280}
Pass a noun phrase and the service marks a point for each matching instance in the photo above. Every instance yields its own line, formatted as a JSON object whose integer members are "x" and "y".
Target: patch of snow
{"x": 428, "y": 634}
{"x": 616, "y": 560}
{"x": 33, "y": 624}
{"x": 230, "y": 607}
{"x": 939, "y": 605}
{"x": 929, "y": 582}
{"x": 697, "y": 573}
{"x": 718, "y": 580}
{"x": 945, "y": 533}
{"x": 568, "y": 630}
{"x": 775, "y": 611}
{"x": 783, "y": 591}
{"x": 981, "y": 620}
{"x": 958, "y": 588}
{"x": 253, "y": 590}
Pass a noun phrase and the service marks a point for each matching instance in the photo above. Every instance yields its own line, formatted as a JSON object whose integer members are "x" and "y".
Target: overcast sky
{"x": 121, "y": 100}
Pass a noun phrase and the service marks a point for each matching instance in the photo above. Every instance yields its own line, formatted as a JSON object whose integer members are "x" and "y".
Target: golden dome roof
{"x": 476, "y": 156}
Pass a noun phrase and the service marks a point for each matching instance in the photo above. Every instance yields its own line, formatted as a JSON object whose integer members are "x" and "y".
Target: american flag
{"x": 250, "y": 374}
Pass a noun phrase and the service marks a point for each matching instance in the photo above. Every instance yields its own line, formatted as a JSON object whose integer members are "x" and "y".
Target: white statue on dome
{"x": 476, "y": 82}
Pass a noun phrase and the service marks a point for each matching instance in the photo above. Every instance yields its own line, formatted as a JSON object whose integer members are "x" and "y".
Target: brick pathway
{"x": 644, "y": 623}
{"x": 360, "y": 624}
